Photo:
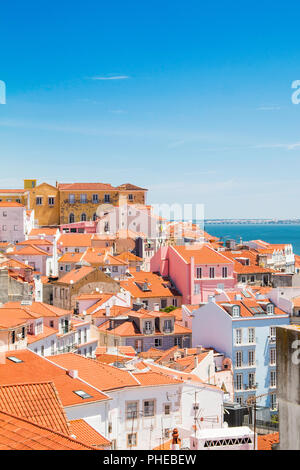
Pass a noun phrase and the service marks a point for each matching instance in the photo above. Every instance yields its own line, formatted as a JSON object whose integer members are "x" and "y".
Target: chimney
{"x": 238, "y": 297}
{"x": 175, "y": 440}
{"x": 195, "y": 362}
{"x": 156, "y": 307}
{"x": 73, "y": 373}
{"x": 107, "y": 310}
{"x": 199, "y": 349}
{"x": 185, "y": 352}
{"x": 211, "y": 299}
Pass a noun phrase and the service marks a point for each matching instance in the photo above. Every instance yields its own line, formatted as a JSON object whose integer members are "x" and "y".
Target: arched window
{"x": 83, "y": 217}
{"x": 71, "y": 218}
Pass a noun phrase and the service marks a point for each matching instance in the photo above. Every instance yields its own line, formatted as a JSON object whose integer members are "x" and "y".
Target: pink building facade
{"x": 197, "y": 271}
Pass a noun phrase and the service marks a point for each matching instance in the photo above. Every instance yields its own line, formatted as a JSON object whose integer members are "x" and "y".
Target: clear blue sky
{"x": 189, "y": 99}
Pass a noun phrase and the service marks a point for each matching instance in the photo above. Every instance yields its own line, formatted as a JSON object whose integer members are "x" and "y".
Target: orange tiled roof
{"x": 129, "y": 328}
{"x": 157, "y": 285}
{"x": 37, "y": 402}
{"x": 115, "y": 311}
{"x": 43, "y": 371}
{"x": 21, "y": 434}
{"x": 85, "y": 187}
{"x": 265, "y": 442}
{"x": 99, "y": 375}
{"x": 155, "y": 378}
{"x": 47, "y": 331}
{"x": 38, "y": 309}
{"x": 14, "y": 263}
{"x": 75, "y": 240}
{"x": 152, "y": 353}
{"x": 203, "y": 254}
{"x": 128, "y": 256}
{"x": 126, "y": 350}
{"x": 88, "y": 435}
{"x": 130, "y": 187}
{"x": 35, "y": 241}
{"x": 30, "y": 250}
{"x": 43, "y": 231}
{"x": 10, "y": 204}
{"x": 75, "y": 275}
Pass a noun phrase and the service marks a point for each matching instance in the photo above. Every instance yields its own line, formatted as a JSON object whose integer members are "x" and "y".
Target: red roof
{"x": 21, "y": 434}
{"x": 88, "y": 435}
{"x": 265, "y": 442}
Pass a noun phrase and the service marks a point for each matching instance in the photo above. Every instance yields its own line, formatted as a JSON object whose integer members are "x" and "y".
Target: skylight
{"x": 14, "y": 359}
{"x": 82, "y": 394}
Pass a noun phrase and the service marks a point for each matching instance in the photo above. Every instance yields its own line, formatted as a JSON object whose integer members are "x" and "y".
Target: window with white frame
{"x": 157, "y": 342}
{"x": 270, "y": 309}
{"x": 273, "y": 333}
{"x": 196, "y": 289}
{"x": 71, "y": 198}
{"x": 239, "y": 382}
{"x": 39, "y": 201}
{"x": 238, "y": 358}
{"x": 238, "y": 336}
{"x": 236, "y": 311}
{"x": 198, "y": 273}
{"x": 251, "y": 335}
{"x": 224, "y": 271}
{"x": 211, "y": 273}
{"x": 167, "y": 408}
{"x": 273, "y": 378}
{"x": 273, "y": 357}
{"x": 251, "y": 380}
{"x": 273, "y": 401}
{"x": 251, "y": 358}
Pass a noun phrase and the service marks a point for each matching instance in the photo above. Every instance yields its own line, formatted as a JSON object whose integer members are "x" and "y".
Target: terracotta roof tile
{"x": 37, "y": 402}
{"x": 88, "y": 435}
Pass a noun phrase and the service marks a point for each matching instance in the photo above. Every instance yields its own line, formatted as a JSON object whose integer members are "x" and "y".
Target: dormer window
{"x": 236, "y": 311}
{"x": 270, "y": 309}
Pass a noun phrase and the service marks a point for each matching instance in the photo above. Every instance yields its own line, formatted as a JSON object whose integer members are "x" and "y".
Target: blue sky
{"x": 189, "y": 99}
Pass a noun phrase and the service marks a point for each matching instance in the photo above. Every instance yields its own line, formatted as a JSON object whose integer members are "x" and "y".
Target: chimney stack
{"x": 107, "y": 310}
{"x": 73, "y": 373}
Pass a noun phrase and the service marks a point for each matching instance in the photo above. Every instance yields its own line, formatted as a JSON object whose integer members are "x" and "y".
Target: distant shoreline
{"x": 251, "y": 222}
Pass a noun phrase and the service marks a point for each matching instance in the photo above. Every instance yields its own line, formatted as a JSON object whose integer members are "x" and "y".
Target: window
{"x": 251, "y": 380}
{"x": 71, "y": 218}
{"x": 4, "y": 228}
{"x": 148, "y": 325}
{"x": 235, "y": 311}
{"x": 42, "y": 350}
{"x": 14, "y": 359}
{"x": 94, "y": 216}
{"x": 239, "y": 381}
{"x": 51, "y": 324}
{"x": 131, "y": 410}
{"x": 83, "y": 198}
{"x": 167, "y": 325}
{"x": 157, "y": 342}
{"x": 177, "y": 341}
{"x": 4, "y": 214}
{"x": 167, "y": 433}
{"x": 273, "y": 357}
{"x": 211, "y": 273}
{"x": 238, "y": 359}
{"x": 130, "y": 197}
{"x": 163, "y": 303}
{"x": 82, "y": 394}
{"x": 238, "y": 336}
{"x": 252, "y": 278}
{"x": 167, "y": 408}
{"x": 106, "y": 198}
{"x": 196, "y": 289}
{"x": 15, "y": 228}
{"x": 224, "y": 271}
{"x": 51, "y": 201}
{"x": 95, "y": 198}
{"x": 83, "y": 217}
{"x": 115, "y": 269}
{"x": 149, "y": 408}
{"x": 52, "y": 346}
{"x": 273, "y": 378}
{"x": 39, "y": 201}
{"x": 243, "y": 279}
{"x": 251, "y": 335}
{"x": 198, "y": 273}
{"x": 71, "y": 198}
{"x": 174, "y": 302}
{"x": 273, "y": 401}
{"x": 251, "y": 358}
{"x": 23, "y": 332}
{"x": 106, "y": 227}
{"x": 239, "y": 400}
{"x": 273, "y": 334}
{"x": 270, "y": 309}
{"x": 131, "y": 440}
